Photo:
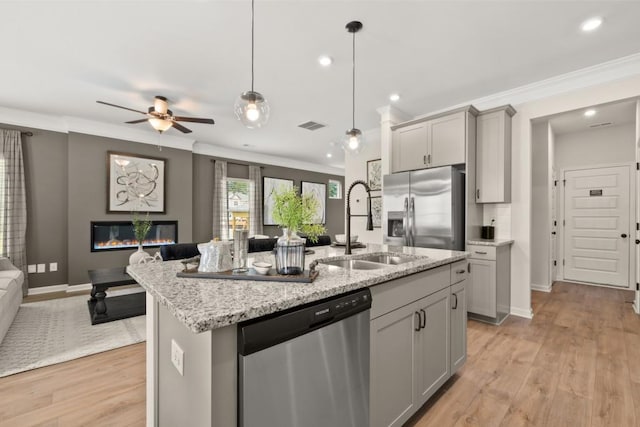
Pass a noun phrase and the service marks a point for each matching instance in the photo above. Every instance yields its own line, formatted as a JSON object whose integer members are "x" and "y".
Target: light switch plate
{"x": 53, "y": 266}
{"x": 42, "y": 268}
{"x": 31, "y": 268}
{"x": 177, "y": 357}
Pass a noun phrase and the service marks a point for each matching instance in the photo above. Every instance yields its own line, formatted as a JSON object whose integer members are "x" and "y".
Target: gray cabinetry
{"x": 409, "y": 145}
{"x": 493, "y": 157}
{"x": 458, "y": 325}
{"x": 489, "y": 297}
{"x": 447, "y": 140}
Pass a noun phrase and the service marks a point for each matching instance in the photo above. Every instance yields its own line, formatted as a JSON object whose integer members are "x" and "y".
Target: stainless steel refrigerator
{"x": 425, "y": 208}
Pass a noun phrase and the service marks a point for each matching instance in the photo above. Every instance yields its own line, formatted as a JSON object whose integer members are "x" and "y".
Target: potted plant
{"x": 294, "y": 214}
{"x": 141, "y": 227}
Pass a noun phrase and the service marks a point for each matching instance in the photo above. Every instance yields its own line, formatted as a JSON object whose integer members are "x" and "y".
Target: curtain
{"x": 255, "y": 200}
{"x": 13, "y": 202}
{"x": 220, "y": 208}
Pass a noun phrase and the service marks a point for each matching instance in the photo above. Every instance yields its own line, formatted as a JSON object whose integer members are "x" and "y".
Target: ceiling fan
{"x": 160, "y": 117}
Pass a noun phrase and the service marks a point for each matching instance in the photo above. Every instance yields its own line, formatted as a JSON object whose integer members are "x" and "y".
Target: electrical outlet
{"x": 177, "y": 357}
{"x": 42, "y": 268}
{"x": 53, "y": 266}
{"x": 31, "y": 268}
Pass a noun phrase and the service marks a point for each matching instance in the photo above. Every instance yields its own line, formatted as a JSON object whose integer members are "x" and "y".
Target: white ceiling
{"x": 618, "y": 113}
{"x": 60, "y": 57}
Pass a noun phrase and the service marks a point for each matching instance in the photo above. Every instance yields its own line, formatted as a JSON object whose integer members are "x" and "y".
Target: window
{"x": 335, "y": 189}
{"x": 238, "y": 204}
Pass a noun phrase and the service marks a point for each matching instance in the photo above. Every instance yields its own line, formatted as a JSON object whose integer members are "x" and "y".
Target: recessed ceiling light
{"x": 329, "y": 155}
{"x": 591, "y": 24}
{"x": 325, "y": 60}
{"x": 590, "y": 113}
{"x": 394, "y": 97}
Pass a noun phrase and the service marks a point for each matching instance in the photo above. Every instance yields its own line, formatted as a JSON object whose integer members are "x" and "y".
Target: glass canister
{"x": 240, "y": 250}
{"x": 289, "y": 253}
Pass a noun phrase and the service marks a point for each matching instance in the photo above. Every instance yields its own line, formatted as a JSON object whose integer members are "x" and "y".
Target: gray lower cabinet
{"x": 489, "y": 297}
{"x": 482, "y": 296}
{"x": 412, "y": 352}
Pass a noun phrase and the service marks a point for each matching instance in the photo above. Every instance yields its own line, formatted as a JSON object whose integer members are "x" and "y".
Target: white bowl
{"x": 342, "y": 238}
{"x": 262, "y": 267}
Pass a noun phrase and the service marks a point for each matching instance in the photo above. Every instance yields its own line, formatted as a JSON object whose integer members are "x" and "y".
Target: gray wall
{"x": 203, "y": 198}
{"x": 87, "y": 188}
{"x": 45, "y": 163}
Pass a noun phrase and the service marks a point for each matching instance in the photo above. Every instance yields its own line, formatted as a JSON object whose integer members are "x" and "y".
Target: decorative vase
{"x": 290, "y": 253}
{"x": 215, "y": 257}
{"x": 138, "y": 256}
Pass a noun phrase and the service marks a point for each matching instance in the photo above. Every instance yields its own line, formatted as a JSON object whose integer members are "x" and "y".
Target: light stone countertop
{"x": 206, "y": 304}
{"x": 486, "y": 242}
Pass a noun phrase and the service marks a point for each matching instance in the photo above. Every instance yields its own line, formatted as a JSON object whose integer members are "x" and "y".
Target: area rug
{"x": 49, "y": 332}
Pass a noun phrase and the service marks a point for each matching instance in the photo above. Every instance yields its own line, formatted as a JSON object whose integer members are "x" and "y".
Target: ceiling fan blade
{"x": 194, "y": 120}
{"x": 180, "y": 127}
{"x": 137, "y": 121}
{"x": 120, "y": 106}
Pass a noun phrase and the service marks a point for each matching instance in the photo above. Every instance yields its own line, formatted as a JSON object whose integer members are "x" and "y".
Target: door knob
{"x": 624, "y": 236}
{"x": 553, "y": 232}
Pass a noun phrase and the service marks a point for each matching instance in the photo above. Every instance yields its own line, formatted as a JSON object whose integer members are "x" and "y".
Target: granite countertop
{"x": 487, "y": 242}
{"x": 205, "y": 304}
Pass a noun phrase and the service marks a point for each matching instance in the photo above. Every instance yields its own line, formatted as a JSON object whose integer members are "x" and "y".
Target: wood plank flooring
{"x": 570, "y": 366}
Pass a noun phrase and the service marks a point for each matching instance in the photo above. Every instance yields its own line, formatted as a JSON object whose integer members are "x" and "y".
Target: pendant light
{"x": 353, "y": 140}
{"x": 251, "y": 108}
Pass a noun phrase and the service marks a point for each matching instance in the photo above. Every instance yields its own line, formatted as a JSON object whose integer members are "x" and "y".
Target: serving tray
{"x": 307, "y": 276}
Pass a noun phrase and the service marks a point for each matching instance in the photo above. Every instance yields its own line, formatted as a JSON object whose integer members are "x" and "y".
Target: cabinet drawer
{"x": 482, "y": 252}
{"x": 459, "y": 271}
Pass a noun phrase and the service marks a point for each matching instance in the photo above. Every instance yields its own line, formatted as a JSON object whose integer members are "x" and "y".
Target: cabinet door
{"x": 492, "y": 156}
{"x": 447, "y": 140}
{"x": 458, "y": 325}
{"x": 409, "y": 148}
{"x": 392, "y": 365}
{"x": 482, "y": 287}
{"x": 432, "y": 345}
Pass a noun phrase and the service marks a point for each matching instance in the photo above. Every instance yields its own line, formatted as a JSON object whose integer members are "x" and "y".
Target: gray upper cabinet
{"x": 493, "y": 155}
{"x": 431, "y": 142}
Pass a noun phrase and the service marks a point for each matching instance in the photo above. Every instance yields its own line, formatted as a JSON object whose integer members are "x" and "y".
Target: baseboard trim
{"x": 541, "y": 288}
{"x": 59, "y": 288}
{"x": 522, "y": 312}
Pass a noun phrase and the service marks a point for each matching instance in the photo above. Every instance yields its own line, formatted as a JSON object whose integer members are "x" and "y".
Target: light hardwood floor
{"x": 577, "y": 363}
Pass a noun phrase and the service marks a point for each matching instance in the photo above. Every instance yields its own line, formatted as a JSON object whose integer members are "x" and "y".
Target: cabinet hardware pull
{"x": 455, "y": 307}
{"x": 469, "y": 268}
{"x": 460, "y": 271}
{"x": 429, "y": 159}
{"x": 424, "y": 159}
{"x": 417, "y": 328}
{"x": 478, "y": 193}
{"x": 424, "y": 319}
{"x": 481, "y": 252}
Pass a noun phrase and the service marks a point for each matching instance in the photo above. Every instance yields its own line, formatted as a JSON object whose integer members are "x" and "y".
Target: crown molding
{"x": 30, "y": 119}
{"x": 605, "y": 72}
{"x": 265, "y": 159}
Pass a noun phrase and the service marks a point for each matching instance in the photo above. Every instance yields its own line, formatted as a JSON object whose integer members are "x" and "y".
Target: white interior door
{"x": 554, "y": 227}
{"x": 597, "y": 231}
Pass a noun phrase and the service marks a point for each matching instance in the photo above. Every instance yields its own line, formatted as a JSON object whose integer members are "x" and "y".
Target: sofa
{"x": 11, "y": 280}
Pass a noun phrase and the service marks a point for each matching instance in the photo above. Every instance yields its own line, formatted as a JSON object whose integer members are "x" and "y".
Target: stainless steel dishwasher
{"x": 307, "y": 367}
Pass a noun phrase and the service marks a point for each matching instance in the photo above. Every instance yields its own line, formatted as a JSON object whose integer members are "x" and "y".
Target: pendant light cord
{"x": 353, "y": 89}
{"x": 252, "y": 40}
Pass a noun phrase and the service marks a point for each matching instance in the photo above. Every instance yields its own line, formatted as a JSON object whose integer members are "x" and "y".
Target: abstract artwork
{"x": 135, "y": 183}
{"x": 335, "y": 189}
{"x": 376, "y": 211}
{"x": 318, "y": 191}
{"x": 269, "y": 187}
{"x": 374, "y": 174}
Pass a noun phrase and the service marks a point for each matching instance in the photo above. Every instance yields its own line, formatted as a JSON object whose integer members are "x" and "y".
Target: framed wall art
{"x": 135, "y": 183}
{"x": 335, "y": 189}
{"x": 374, "y": 174}
{"x": 269, "y": 187}
{"x": 376, "y": 211}
{"x": 318, "y": 191}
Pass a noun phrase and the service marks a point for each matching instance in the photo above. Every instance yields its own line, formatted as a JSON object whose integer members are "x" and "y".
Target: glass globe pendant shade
{"x": 252, "y": 109}
{"x": 353, "y": 141}
{"x": 160, "y": 125}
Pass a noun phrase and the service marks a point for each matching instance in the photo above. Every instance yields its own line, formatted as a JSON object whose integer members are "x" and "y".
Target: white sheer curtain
{"x": 255, "y": 200}
{"x": 220, "y": 201}
{"x": 13, "y": 203}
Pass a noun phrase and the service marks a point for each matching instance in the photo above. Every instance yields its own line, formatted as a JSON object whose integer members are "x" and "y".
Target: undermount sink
{"x": 354, "y": 264}
{"x": 388, "y": 259}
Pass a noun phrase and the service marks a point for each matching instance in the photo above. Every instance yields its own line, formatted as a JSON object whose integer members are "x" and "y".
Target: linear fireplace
{"x": 118, "y": 235}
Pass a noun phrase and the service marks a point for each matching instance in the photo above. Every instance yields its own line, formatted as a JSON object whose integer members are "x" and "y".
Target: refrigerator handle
{"x": 412, "y": 216}
{"x": 405, "y": 221}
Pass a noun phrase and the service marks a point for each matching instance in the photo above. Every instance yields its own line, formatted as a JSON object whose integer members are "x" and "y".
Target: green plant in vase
{"x": 141, "y": 227}
{"x": 295, "y": 213}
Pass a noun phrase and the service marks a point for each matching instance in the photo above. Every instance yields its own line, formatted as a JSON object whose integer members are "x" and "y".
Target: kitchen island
{"x": 194, "y": 321}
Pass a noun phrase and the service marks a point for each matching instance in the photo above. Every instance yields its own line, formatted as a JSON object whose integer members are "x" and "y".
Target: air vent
{"x": 311, "y": 125}
{"x": 599, "y": 125}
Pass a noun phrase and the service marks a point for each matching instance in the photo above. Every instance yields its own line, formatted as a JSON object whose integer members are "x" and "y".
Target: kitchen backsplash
{"x": 501, "y": 212}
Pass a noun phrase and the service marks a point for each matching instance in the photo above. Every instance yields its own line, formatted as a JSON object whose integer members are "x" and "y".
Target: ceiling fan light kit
{"x": 353, "y": 141}
{"x": 251, "y": 108}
